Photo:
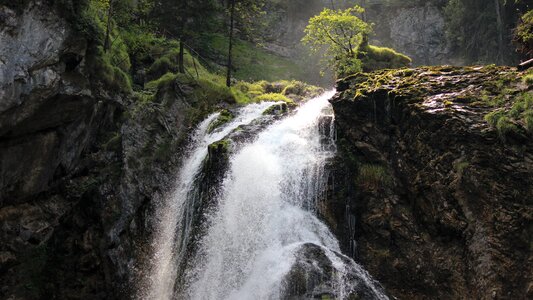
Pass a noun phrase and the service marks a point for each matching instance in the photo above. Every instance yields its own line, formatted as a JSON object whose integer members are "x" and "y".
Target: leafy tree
{"x": 338, "y": 34}
{"x": 523, "y": 35}
{"x": 480, "y": 30}
{"x": 244, "y": 12}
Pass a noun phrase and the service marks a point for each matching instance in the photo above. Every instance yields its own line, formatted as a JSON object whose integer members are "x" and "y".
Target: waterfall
{"x": 263, "y": 238}
{"x": 174, "y": 213}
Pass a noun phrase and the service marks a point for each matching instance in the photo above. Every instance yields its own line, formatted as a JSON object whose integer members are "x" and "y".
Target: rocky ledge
{"x": 433, "y": 185}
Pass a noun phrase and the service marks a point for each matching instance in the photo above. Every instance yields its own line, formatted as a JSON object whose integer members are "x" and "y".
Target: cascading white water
{"x": 265, "y": 215}
{"x": 173, "y": 213}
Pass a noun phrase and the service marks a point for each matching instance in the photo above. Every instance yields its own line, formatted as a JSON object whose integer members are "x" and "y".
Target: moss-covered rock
{"x": 453, "y": 182}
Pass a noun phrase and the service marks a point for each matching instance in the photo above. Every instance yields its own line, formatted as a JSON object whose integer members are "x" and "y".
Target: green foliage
{"x": 338, "y": 34}
{"x": 505, "y": 119}
{"x": 276, "y": 97}
{"x": 377, "y": 58}
{"x": 523, "y": 35}
{"x": 209, "y": 89}
{"x": 112, "y": 76}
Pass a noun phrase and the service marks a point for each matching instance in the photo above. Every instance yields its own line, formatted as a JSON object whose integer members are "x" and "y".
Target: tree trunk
{"x": 231, "y": 28}
{"x": 107, "y": 41}
{"x": 499, "y": 23}
{"x": 183, "y": 21}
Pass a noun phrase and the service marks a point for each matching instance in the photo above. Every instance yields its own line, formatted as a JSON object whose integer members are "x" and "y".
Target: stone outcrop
{"x": 80, "y": 165}
{"x": 427, "y": 195}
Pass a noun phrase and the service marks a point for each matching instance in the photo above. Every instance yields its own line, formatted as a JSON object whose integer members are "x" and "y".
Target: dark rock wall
{"x": 81, "y": 166}
{"x": 451, "y": 216}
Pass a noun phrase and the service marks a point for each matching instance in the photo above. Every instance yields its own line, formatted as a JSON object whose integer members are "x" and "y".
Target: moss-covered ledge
{"x": 433, "y": 180}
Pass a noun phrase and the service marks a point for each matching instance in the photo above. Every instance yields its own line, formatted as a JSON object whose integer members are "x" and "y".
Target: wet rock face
{"x": 51, "y": 118}
{"x": 313, "y": 276}
{"x": 44, "y": 108}
{"x": 418, "y": 32}
{"x": 427, "y": 196}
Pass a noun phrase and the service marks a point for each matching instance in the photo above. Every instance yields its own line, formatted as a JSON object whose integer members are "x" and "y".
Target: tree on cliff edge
{"x": 338, "y": 34}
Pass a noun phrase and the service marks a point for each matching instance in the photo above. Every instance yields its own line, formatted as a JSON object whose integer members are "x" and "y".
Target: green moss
{"x": 112, "y": 76}
{"x": 373, "y": 176}
{"x": 460, "y": 166}
{"x": 505, "y": 126}
{"x": 295, "y": 88}
{"x": 161, "y": 67}
{"x": 376, "y": 58}
{"x": 276, "y": 109}
{"x": 225, "y": 117}
{"x": 276, "y": 97}
{"x": 527, "y": 78}
{"x": 220, "y": 146}
{"x": 162, "y": 81}
{"x": 505, "y": 119}
{"x": 493, "y": 117}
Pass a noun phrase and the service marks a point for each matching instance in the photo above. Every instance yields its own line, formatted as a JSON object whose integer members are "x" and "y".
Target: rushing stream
{"x": 263, "y": 239}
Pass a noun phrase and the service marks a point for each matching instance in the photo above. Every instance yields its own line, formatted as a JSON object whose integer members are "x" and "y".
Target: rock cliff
{"x": 80, "y": 163}
{"x": 435, "y": 202}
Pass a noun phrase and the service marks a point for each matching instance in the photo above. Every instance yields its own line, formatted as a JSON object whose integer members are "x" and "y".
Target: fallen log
{"x": 525, "y": 65}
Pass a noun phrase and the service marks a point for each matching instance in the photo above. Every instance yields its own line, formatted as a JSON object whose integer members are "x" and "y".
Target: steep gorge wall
{"x": 416, "y": 28}
{"x": 425, "y": 194}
